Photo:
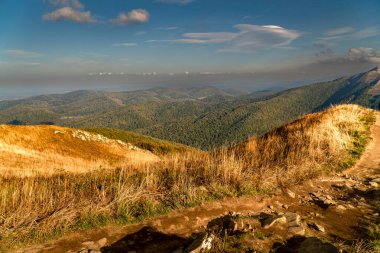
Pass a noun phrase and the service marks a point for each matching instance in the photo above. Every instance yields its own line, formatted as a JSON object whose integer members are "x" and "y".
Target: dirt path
{"x": 369, "y": 163}
{"x": 345, "y": 194}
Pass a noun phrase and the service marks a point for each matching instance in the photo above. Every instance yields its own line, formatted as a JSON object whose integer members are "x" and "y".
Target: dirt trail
{"x": 369, "y": 163}
{"x": 347, "y": 191}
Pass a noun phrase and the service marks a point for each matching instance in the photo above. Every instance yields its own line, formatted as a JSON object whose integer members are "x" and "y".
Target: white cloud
{"x": 68, "y": 13}
{"x": 207, "y": 38}
{"x": 347, "y": 33}
{"x": 248, "y": 38}
{"x": 127, "y": 44}
{"x": 134, "y": 16}
{"x": 22, "y": 53}
{"x": 181, "y": 2}
{"x": 339, "y": 31}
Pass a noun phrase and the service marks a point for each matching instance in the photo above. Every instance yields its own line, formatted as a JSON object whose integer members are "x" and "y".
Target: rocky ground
{"x": 323, "y": 215}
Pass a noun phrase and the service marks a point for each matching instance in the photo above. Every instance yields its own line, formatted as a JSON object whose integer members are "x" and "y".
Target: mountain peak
{"x": 376, "y": 69}
{"x": 372, "y": 76}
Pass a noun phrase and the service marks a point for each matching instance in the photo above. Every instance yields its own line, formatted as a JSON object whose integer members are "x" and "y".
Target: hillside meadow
{"x": 44, "y": 206}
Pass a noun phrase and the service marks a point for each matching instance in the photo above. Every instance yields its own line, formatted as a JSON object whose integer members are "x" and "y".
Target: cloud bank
{"x": 362, "y": 54}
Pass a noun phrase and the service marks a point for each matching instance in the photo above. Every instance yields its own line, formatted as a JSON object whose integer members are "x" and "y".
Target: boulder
{"x": 268, "y": 220}
{"x": 201, "y": 243}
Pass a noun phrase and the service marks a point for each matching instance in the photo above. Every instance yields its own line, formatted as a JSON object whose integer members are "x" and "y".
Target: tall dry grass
{"x": 36, "y": 207}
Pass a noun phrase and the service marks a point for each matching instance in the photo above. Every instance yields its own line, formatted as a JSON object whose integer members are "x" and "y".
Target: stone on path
{"x": 201, "y": 243}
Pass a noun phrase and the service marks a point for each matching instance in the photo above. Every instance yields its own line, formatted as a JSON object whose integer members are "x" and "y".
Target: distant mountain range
{"x": 204, "y": 117}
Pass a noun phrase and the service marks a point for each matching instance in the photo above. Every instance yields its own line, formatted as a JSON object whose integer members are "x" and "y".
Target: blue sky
{"x": 69, "y": 43}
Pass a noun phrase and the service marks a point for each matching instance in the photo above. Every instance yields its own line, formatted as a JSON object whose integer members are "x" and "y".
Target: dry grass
{"x": 47, "y": 150}
{"x": 310, "y": 146}
{"x": 37, "y": 207}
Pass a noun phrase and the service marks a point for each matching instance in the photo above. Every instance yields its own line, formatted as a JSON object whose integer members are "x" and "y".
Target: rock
{"x": 88, "y": 243}
{"x": 295, "y": 226}
{"x": 296, "y": 231}
{"x": 322, "y": 202}
{"x": 290, "y": 193}
{"x": 292, "y": 217}
{"x": 270, "y": 207}
{"x": 374, "y": 184}
{"x": 341, "y": 207}
{"x": 314, "y": 194}
{"x": 222, "y": 225}
{"x": 102, "y": 242}
{"x": 314, "y": 245}
{"x": 317, "y": 227}
{"x": 329, "y": 202}
{"x": 294, "y": 223}
{"x": 270, "y": 220}
{"x": 285, "y": 206}
{"x": 201, "y": 243}
{"x": 94, "y": 251}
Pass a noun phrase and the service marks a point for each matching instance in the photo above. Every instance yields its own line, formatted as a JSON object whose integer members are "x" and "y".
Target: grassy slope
{"x": 156, "y": 146}
{"x": 317, "y": 144}
{"x": 27, "y": 150}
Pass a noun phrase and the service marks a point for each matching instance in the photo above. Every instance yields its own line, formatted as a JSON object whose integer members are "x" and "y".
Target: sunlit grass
{"x": 41, "y": 206}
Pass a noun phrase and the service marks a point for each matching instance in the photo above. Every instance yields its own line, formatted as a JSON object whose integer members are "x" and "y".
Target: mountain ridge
{"x": 201, "y": 117}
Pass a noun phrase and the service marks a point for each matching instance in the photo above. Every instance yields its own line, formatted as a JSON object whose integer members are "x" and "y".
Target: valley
{"x": 204, "y": 118}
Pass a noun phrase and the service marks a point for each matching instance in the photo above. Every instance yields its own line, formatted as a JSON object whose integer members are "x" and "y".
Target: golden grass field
{"x": 47, "y": 204}
{"x": 47, "y": 150}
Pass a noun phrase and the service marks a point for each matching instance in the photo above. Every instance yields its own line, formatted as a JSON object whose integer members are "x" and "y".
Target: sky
{"x": 62, "y": 45}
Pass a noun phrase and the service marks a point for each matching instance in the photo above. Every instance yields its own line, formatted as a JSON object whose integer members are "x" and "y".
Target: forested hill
{"x": 201, "y": 117}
